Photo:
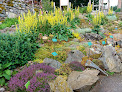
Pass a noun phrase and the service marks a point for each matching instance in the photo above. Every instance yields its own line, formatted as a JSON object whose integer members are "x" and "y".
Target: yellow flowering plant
{"x": 110, "y": 12}
{"x": 89, "y": 8}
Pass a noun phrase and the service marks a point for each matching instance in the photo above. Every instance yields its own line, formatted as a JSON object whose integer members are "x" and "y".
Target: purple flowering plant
{"x": 38, "y": 81}
{"x": 76, "y": 66}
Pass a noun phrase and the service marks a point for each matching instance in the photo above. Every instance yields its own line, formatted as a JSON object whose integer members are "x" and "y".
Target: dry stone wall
{"x": 13, "y": 8}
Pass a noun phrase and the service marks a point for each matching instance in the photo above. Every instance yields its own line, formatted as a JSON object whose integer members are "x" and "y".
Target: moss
{"x": 46, "y": 52}
{"x": 98, "y": 63}
{"x": 64, "y": 70}
{"x": 95, "y": 56}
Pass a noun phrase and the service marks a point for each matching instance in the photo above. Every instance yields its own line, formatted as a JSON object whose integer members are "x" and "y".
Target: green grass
{"x": 8, "y": 22}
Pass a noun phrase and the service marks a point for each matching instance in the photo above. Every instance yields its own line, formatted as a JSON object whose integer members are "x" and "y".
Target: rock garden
{"x": 49, "y": 50}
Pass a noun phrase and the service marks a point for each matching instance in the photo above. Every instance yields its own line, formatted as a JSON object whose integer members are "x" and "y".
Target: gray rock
{"x": 75, "y": 40}
{"x": 2, "y": 15}
{"x": 74, "y": 55}
{"x": 53, "y": 63}
{"x": 118, "y": 43}
{"x": 11, "y": 15}
{"x": 80, "y": 80}
{"x": 93, "y": 36}
{"x": 2, "y": 89}
{"x": 108, "y": 84}
{"x": 111, "y": 60}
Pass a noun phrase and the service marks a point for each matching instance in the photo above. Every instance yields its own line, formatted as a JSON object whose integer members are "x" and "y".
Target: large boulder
{"x": 74, "y": 55}
{"x": 53, "y": 63}
{"x": 82, "y": 80}
{"x": 111, "y": 60}
{"x": 108, "y": 84}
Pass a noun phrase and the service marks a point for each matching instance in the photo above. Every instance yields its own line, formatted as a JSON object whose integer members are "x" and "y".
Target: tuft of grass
{"x": 8, "y": 22}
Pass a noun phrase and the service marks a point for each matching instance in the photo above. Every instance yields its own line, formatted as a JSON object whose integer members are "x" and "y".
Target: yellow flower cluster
{"x": 53, "y": 18}
{"x": 89, "y": 8}
{"x": 27, "y": 22}
{"x": 76, "y": 35}
{"x": 110, "y": 12}
{"x": 98, "y": 18}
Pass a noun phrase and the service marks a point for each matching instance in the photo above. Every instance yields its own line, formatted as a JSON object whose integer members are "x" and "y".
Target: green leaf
{"x": 0, "y": 66}
{"x": 7, "y": 65}
{"x": 27, "y": 84}
{"x": 110, "y": 73}
{"x": 2, "y": 81}
{"x": 7, "y": 76}
{"x": 8, "y": 72}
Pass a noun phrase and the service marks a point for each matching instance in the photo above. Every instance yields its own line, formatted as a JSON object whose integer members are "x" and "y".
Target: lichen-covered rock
{"x": 60, "y": 85}
{"x": 111, "y": 60}
{"x": 77, "y": 80}
{"x": 53, "y": 63}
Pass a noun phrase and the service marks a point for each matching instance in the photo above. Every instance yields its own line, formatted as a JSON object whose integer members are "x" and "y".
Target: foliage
{"x": 45, "y": 52}
{"x": 120, "y": 24}
{"x": 64, "y": 70}
{"x": 5, "y": 73}
{"x": 110, "y": 73}
{"x": 118, "y": 10}
{"x": 8, "y": 22}
{"x": 47, "y": 5}
{"x": 17, "y": 48}
{"x": 83, "y": 10}
{"x": 61, "y": 32}
{"x": 76, "y": 66}
{"x": 114, "y": 8}
{"x": 75, "y": 21}
{"x": 96, "y": 29}
{"x": 89, "y": 16}
{"x": 89, "y": 8}
{"x": 38, "y": 81}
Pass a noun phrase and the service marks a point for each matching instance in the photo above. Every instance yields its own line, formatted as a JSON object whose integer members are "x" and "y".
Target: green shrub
{"x": 112, "y": 17}
{"x": 5, "y": 74}
{"x": 61, "y": 32}
{"x": 120, "y": 24}
{"x": 17, "y": 48}
{"x": 8, "y": 22}
{"x": 118, "y": 10}
{"x": 83, "y": 9}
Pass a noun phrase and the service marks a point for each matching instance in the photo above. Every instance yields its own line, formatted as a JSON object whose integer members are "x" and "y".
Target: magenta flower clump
{"x": 76, "y": 66}
{"x": 29, "y": 74}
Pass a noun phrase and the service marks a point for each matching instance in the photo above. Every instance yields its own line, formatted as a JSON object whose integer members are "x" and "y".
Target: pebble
{"x": 2, "y": 89}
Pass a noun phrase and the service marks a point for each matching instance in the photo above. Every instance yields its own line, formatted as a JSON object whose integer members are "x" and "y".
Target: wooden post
{"x": 102, "y": 6}
{"x": 54, "y": 6}
{"x": 108, "y": 5}
{"x": 90, "y": 2}
{"x": 32, "y": 6}
{"x": 99, "y": 5}
{"x": 93, "y": 5}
